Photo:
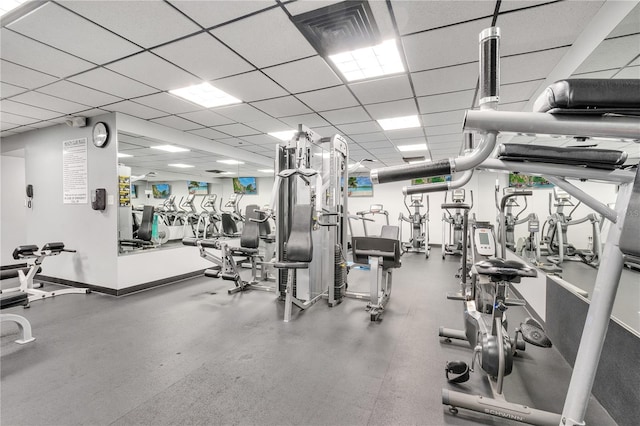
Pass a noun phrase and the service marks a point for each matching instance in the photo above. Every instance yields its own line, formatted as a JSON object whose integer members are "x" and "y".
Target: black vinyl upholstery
{"x": 144, "y": 231}
{"x": 10, "y": 300}
{"x": 630, "y": 238}
{"x": 13, "y": 273}
{"x": 299, "y": 243}
{"x": 21, "y": 252}
{"x": 250, "y": 237}
{"x": 387, "y": 246}
{"x": 229, "y": 226}
{"x": 589, "y": 157}
{"x": 591, "y": 96}
{"x": 508, "y": 270}
{"x": 55, "y": 247}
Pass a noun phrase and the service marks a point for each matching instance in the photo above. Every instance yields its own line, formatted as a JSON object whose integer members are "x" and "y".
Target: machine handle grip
{"x": 411, "y": 171}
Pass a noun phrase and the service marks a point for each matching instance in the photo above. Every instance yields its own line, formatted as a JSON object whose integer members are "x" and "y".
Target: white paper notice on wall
{"x": 74, "y": 171}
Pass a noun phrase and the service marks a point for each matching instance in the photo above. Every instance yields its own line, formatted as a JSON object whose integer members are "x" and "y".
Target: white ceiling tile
{"x": 370, "y": 137}
{"x": 110, "y": 82}
{"x": 206, "y": 118}
{"x": 597, "y": 74}
{"x": 92, "y": 112}
{"x": 392, "y": 109}
{"x": 447, "y": 129}
{"x": 440, "y": 118}
{"x": 517, "y": 92}
{"x": 446, "y": 102}
{"x": 346, "y": 115}
{"x": 17, "y": 120}
{"x": 445, "y": 46}
{"x": 448, "y": 79}
{"x": 628, "y": 25}
{"x": 309, "y": 120}
{"x": 629, "y": 72}
{"x": 7, "y": 126}
{"x": 327, "y": 131}
{"x": 265, "y": 46}
{"x": 299, "y": 7}
{"x": 137, "y": 110}
{"x": 515, "y": 106}
{"x": 208, "y": 133}
{"x": 508, "y": 5}
{"x": 355, "y": 128}
{"x": 28, "y": 110}
{"x": 242, "y": 113}
{"x": 7, "y": 90}
{"x": 236, "y": 129}
{"x": 267, "y": 125}
{"x": 210, "y": 13}
{"x": 395, "y": 135}
{"x": 77, "y": 93}
{"x": 413, "y": 16}
{"x": 154, "y": 71}
{"x": 104, "y": 46}
{"x": 544, "y": 27}
{"x": 204, "y": 56}
{"x": 49, "y": 102}
{"x": 282, "y": 107}
{"x": 168, "y": 103}
{"x": 530, "y": 66}
{"x": 611, "y": 53}
{"x": 251, "y": 86}
{"x": 383, "y": 151}
{"x": 382, "y": 17}
{"x": 327, "y": 99}
{"x": 176, "y": 122}
{"x": 383, "y": 89}
{"x": 376, "y": 145}
{"x": 32, "y": 54}
{"x": 23, "y": 77}
{"x": 304, "y": 75}
{"x": 263, "y": 139}
{"x": 147, "y": 23}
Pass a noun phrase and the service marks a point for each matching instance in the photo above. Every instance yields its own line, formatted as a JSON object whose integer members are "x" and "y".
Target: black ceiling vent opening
{"x": 339, "y": 27}
{"x": 215, "y": 171}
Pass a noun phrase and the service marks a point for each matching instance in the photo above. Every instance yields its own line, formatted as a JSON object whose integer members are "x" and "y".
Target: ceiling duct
{"x": 339, "y": 27}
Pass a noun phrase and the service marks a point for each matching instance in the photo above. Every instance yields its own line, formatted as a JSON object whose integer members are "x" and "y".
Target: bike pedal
{"x": 456, "y": 296}
{"x": 533, "y": 333}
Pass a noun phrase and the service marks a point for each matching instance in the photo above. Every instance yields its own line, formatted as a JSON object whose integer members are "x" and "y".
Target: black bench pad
{"x": 21, "y": 252}
{"x": 595, "y": 96}
{"x": 504, "y": 269}
{"x": 13, "y": 273}
{"x": 10, "y": 300}
{"x": 589, "y": 157}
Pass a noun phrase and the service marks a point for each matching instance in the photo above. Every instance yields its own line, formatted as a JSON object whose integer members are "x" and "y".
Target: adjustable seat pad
{"x": 250, "y": 237}
{"x": 499, "y": 269}
{"x": 21, "y": 252}
{"x": 386, "y": 246}
{"x": 589, "y": 157}
{"x": 595, "y": 96}
{"x": 299, "y": 243}
{"x": 146, "y": 225}
{"x": 10, "y": 300}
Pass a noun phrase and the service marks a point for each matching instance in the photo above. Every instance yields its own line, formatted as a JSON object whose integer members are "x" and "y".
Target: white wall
{"x": 13, "y": 223}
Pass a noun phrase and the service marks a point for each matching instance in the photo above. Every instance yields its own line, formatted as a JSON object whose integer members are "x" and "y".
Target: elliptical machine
{"x": 512, "y": 220}
{"x": 453, "y": 244}
{"x": 419, "y": 242}
{"x": 210, "y": 216}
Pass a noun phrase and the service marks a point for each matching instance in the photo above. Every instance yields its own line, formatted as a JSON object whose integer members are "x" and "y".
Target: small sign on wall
{"x": 74, "y": 171}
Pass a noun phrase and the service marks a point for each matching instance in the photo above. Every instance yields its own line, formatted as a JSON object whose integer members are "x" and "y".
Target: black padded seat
{"x": 590, "y": 96}
{"x": 10, "y": 300}
{"x": 22, "y": 252}
{"x": 505, "y": 270}
{"x": 190, "y": 241}
{"x": 462, "y": 206}
{"x": 56, "y": 247}
{"x": 250, "y": 237}
{"x": 229, "y": 226}
{"x": 13, "y": 273}
{"x": 588, "y": 157}
{"x": 387, "y": 246}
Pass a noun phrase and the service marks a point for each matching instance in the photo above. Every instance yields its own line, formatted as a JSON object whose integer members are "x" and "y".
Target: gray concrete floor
{"x": 188, "y": 353}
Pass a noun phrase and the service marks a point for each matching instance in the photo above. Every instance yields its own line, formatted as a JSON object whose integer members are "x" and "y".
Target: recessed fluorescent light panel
{"x": 369, "y": 62}
{"x": 415, "y": 147}
{"x": 399, "y": 122}
{"x": 170, "y": 148}
{"x": 285, "y": 135}
{"x": 230, "y": 162}
{"x": 417, "y": 161}
{"x": 122, "y": 155}
{"x": 7, "y": 6}
{"x": 181, "y": 166}
{"x": 227, "y": 173}
{"x": 206, "y": 95}
{"x": 266, "y": 170}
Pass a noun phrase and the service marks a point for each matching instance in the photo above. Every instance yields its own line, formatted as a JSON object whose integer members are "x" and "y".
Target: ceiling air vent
{"x": 413, "y": 159}
{"x": 343, "y": 26}
{"x": 215, "y": 171}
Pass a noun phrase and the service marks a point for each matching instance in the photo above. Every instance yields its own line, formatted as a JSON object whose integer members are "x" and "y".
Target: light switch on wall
{"x": 111, "y": 200}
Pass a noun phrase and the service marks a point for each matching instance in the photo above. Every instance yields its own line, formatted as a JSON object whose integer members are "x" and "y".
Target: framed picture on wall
{"x": 360, "y": 186}
{"x": 198, "y": 188}
{"x": 134, "y": 191}
{"x": 435, "y": 179}
{"x": 517, "y": 180}
{"x": 161, "y": 190}
{"x": 245, "y": 185}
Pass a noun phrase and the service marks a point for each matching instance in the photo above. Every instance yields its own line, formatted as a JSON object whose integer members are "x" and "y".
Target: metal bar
{"x": 566, "y": 171}
{"x": 374, "y": 277}
{"x": 587, "y": 199}
{"x": 552, "y": 124}
{"x": 437, "y": 187}
{"x": 597, "y": 322}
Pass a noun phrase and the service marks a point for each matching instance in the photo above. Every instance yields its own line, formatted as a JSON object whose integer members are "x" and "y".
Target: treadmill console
{"x": 534, "y": 225}
{"x": 484, "y": 242}
{"x": 560, "y": 194}
{"x": 458, "y": 195}
{"x": 416, "y": 197}
{"x": 376, "y": 208}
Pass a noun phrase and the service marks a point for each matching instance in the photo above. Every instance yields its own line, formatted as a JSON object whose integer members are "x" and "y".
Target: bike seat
{"x": 504, "y": 270}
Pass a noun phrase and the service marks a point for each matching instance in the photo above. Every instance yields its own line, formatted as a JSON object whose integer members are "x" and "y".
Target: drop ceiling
{"x": 87, "y": 58}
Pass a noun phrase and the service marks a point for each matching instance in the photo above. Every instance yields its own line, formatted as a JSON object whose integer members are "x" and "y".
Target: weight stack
{"x": 340, "y": 274}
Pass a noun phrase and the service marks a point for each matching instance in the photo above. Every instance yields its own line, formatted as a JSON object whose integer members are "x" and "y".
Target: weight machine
{"x": 374, "y": 210}
{"x": 557, "y": 245}
{"x": 453, "y": 244}
{"x": 419, "y": 241}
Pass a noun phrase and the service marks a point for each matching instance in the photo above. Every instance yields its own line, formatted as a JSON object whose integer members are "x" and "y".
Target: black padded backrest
{"x": 390, "y": 231}
{"x": 25, "y": 251}
{"x": 58, "y": 246}
{"x": 299, "y": 243}
{"x": 387, "y": 248}
{"x": 630, "y": 238}
{"x": 590, "y": 95}
{"x": 250, "y": 237}
{"x": 229, "y": 226}
{"x": 590, "y": 157}
{"x": 144, "y": 231}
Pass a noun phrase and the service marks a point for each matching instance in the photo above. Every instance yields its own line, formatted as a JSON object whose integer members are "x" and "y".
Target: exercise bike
{"x": 486, "y": 301}
{"x": 419, "y": 242}
{"x": 453, "y": 244}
